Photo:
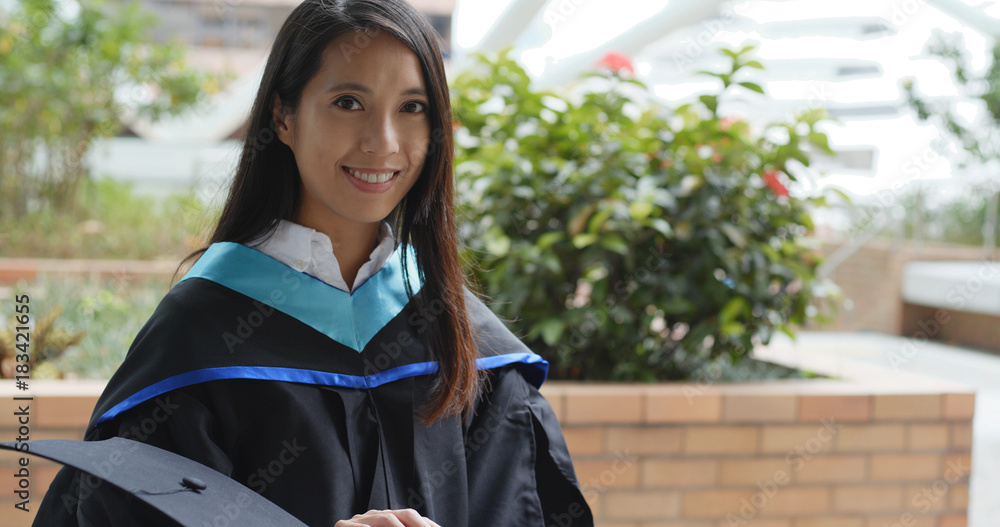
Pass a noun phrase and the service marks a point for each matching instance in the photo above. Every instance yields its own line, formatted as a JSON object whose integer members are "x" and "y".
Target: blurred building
{"x": 243, "y": 24}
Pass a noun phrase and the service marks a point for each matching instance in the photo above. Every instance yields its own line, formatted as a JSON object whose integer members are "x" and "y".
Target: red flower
{"x": 616, "y": 62}
{"x": 772, "y": 181}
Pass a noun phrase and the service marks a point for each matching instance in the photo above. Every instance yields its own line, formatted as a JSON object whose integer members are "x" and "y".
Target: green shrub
{"x": 626, "y": 241}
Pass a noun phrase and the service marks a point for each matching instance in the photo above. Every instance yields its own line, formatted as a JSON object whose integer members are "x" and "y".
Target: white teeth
{"x": 371, "y": 178}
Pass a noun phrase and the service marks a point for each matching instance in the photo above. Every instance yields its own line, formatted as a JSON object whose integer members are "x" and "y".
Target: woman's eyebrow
{"x": 362, "y": 88}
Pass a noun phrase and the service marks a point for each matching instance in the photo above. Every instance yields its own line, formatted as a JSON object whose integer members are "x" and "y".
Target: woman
{"x": 323, "y": 350}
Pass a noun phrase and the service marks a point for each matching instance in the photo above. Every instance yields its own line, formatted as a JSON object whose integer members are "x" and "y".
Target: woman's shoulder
{"x": 498, "y": 346}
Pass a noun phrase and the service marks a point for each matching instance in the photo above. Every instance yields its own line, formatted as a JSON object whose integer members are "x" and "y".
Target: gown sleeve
{"x": 520, "y": 471}
{"x": 559, "y": 491}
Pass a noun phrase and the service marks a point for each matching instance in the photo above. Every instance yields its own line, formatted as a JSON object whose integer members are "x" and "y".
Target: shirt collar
{"x": 307, "y": 250}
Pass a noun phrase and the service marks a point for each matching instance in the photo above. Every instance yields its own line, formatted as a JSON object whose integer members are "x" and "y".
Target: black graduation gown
{"x": 309, "y": 396}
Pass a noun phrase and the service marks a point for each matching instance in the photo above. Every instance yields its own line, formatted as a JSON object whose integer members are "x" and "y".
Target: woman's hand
{"x": 388, "y": 518}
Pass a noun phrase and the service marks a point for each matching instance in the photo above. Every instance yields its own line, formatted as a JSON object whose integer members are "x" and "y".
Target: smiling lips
{"x": 372, "y": 176}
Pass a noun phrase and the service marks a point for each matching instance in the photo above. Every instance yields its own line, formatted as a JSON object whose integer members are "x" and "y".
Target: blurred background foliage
{"x": 67, "y": 78}
{"x": 108, "y": 220}
{"x": 980, "y": 137}
{"x": 971, "y": 218}
{"x": 82, "y": 326}
{"x": 629, "y": 241}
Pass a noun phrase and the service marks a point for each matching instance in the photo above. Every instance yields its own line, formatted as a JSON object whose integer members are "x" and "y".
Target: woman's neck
{"x": 352, "y": 242}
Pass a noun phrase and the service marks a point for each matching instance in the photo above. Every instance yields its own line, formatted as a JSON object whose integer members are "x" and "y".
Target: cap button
{"x": 193, "y": 483}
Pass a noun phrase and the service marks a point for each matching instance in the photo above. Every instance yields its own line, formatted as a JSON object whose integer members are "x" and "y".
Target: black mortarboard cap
{"x": 183, "y": 490}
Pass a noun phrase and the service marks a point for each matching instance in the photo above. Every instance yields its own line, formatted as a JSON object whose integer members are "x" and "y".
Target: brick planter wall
{"x": 816, "y": 453}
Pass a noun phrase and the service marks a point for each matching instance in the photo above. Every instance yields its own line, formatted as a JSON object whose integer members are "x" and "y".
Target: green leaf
{"x": 731, "y": 329}
{"x": 675, "y": 305}
{"x": 753, "y": 87}
{"x": 584, "y": 239}
{"x": 733, "y": 309}
{"x": 546, "y": 240}
{"x": 662, "y": 226}
{"x": 640, "y": 210}
{"x": 614, "y": 243}
{"x": 496, "y": 241}
{"x": 821, "y": 140}
{"x": 579, "y": 221}
{"x": 710, "y": 102}
{"x": 551, "y": 330}
{"x": 753, "y": 64}
{"x": 637, "y": 82}
{"x": 733, "y": 234}
{"x": 597, "y": 220}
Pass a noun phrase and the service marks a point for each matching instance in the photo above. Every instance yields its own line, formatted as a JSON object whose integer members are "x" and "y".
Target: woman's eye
{"x": 420, "y": 106}
{"x": 346, "y": 98}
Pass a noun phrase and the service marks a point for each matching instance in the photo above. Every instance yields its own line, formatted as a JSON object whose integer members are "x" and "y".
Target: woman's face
{"x": 360, "y": 133}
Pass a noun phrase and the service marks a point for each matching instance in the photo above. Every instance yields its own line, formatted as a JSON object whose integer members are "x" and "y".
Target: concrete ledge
{"x": 14, "y": 269}
{"x": 961, "y": 286}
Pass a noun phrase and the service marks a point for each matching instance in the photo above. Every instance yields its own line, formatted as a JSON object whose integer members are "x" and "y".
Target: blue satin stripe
{"x": 351, "y": 319}
{"x": 534, "y": 368}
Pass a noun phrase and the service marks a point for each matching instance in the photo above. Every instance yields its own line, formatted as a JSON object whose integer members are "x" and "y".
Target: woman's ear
{"x": 282, "y": 119}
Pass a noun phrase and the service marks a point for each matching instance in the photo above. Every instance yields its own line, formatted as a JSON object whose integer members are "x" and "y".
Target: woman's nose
{"x": 380, "y": 136}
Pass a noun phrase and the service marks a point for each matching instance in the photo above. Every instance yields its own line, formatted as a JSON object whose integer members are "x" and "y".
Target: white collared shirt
{"x": 309, "y": 251}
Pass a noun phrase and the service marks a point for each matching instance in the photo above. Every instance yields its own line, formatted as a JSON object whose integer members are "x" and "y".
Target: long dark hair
{"x": 266, "y": 185}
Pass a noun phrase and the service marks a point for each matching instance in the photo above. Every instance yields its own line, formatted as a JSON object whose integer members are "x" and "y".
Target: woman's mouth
{"x": 371, "y": 180}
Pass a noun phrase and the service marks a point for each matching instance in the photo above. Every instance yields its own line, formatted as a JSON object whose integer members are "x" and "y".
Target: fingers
{"x": 410, "y": 517}
{"x": 388, "y": 518}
